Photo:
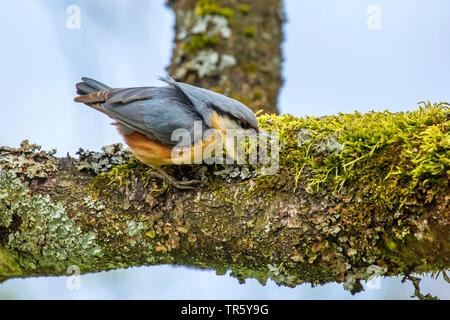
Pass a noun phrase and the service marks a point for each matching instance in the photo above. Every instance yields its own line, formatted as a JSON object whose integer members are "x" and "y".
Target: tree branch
{"x": 356, "y": 196}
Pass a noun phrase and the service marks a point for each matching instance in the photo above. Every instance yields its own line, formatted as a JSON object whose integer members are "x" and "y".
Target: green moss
{"x": 9, "y": 264}
{"x": 218, "y": 90}
{"x": 383, "y": 148}
{"x": 110, "y": 181}
{"x": 210, "y": 7}
{"x": 250, "y": 31}
{"x": 395, "y": 153}
{"x": 243, "y": 98}
{"x": 380, "y": 162}
{"x": 244, "y": 9}
{"x": 242, "y": 273}
{"x": 389, "y": 154}
{"x": 201, "y": 42}
{"x": 257, "y": 94}
{"x": 250, "y": 67}
{"x": 378, "y": 165}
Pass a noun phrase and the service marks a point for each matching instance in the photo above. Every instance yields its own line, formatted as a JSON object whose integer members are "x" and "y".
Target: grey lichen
{"x": 227, "y": 60}
{"x": 44, "y": 236}
{"x": 97, "y": 207}
{"x": 99, "y": 162}
{"x": 200, "y": 35}
{"x": 206, "y": 63}
{"x": 280, "y": 275}
{"x": 185, "y": 20}
{"x": 231, "y": 171}
{"x": 373, "y": 271}
{"x": 28, "y": 160}
{"x": 350, "y": 282}
{"x": 134, "y": 228}
{"x": 330, "y": 144}
{"x": 304, "y": 137}
{"x": 212, "y": 25}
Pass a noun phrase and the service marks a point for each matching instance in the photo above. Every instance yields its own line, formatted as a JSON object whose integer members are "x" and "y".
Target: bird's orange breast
{"x": 157, "y": 154}
{"x": 148, "y": 151}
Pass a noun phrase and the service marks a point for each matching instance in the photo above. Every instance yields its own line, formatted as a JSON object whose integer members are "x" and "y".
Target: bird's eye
{"x": 243, "y": 124}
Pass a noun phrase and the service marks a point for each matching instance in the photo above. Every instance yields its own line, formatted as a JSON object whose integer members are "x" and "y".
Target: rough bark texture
{"x": 385, "y": 218}
{"x": 232, "y": 47}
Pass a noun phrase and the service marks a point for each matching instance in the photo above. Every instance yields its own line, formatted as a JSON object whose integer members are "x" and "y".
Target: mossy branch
{"x": 356, "y": 196}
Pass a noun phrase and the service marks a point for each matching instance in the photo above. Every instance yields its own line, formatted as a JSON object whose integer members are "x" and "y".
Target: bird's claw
{"x": 189, "y": 182}
{"x": 186, "y": 185}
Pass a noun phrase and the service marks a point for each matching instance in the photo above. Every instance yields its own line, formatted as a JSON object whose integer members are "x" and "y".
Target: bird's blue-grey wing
{"x": 206, "y": 102}
{"x": 153, "y": 111}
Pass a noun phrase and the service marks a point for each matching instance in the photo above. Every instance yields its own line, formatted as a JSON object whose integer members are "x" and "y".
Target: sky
{"x": 339, "y": 56}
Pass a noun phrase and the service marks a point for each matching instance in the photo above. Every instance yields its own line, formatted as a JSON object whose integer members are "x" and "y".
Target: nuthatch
{"x": 147, "y": 116}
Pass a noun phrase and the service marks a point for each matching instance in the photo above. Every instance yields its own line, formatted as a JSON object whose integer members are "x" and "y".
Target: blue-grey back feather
{"x": 160, "y": 112}
{"x": 95, "y": 84}
{"x": 203, "y": 99}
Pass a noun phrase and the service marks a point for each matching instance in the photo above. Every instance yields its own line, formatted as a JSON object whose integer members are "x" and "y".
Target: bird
{"x": 146, "y": 117}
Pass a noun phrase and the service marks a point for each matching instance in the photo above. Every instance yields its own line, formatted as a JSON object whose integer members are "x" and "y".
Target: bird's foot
{"x": 161, "y": 174}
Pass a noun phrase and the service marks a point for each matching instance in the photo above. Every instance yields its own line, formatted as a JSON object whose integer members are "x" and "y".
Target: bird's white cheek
{"x": 228, "y": 124}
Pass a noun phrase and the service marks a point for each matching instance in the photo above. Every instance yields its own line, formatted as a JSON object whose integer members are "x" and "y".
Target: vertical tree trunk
{"x": 232, "y": 47}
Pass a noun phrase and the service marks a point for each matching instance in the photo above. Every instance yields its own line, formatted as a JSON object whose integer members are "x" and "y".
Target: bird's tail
{"x": 89, "y": 86}
{"x": 91, "y": 93}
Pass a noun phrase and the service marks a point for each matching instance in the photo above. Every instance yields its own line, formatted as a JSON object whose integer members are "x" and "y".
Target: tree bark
{"x": 232, "y": 47}
{"x": 388, "y": 217}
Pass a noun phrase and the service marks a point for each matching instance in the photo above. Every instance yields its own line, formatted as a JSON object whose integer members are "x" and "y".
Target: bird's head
{"x": 232, "y": 113}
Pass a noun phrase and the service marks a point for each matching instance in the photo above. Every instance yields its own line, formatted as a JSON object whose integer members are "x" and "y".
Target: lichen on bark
{"x": 356, "y": 196}
{"x": 232, "y": 47}
{"x": 40, "y": 231}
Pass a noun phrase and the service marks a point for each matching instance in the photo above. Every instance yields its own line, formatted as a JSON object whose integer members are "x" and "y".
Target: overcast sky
{"x": 337, "y": 59}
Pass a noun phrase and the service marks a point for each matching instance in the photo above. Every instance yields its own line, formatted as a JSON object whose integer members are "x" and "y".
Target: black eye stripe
{"x": 244, "y": 124}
